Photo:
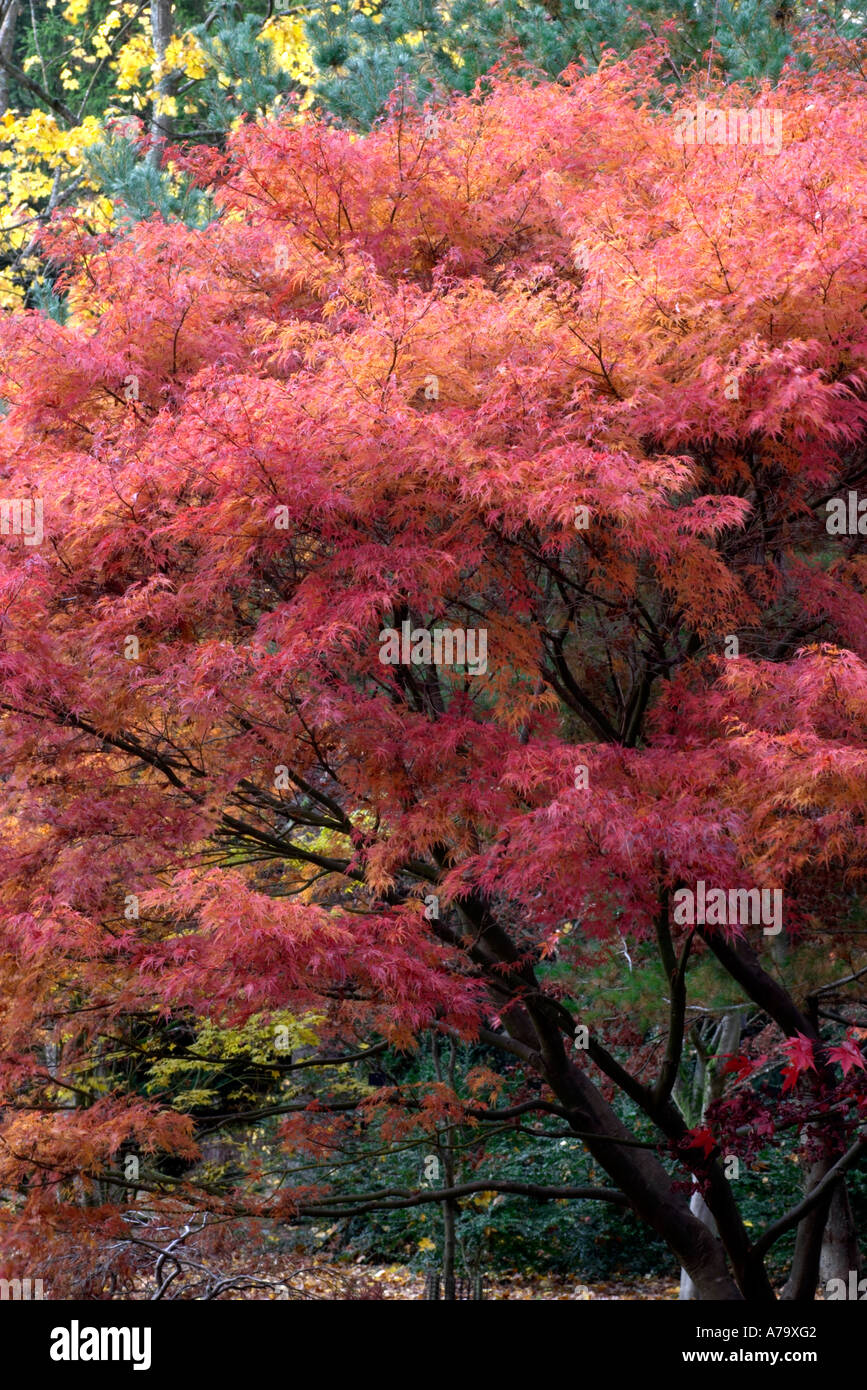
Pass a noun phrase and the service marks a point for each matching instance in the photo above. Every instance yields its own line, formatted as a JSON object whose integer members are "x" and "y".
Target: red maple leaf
{"x": 737, "y": 1065}
{"x": 848, "y": 1054}
{"x": 800, "y": 1052}
{"x": 702, "y": 1139}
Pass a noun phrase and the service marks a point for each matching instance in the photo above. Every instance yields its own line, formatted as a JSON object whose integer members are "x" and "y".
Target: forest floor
{"x": 396, "y": 1281}
{"x": 321, "y": 1278}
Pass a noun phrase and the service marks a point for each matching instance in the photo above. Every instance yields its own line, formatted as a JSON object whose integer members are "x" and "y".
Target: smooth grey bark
{"x": 826, "y": 1245}
{"x": 840, "y": 1250}
{"x": 162, "y": 124}
{"x": 725, "y": 1039}
{"x": 7, "y": 43}
{"x": 700, "y": 1209}
{"x": 800, "y": 1287}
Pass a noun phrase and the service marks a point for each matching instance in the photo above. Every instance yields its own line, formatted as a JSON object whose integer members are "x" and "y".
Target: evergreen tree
{"x": 363, "y": 51}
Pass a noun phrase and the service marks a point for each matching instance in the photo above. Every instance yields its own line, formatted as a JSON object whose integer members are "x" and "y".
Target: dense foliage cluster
{"x": 433, "y": 646}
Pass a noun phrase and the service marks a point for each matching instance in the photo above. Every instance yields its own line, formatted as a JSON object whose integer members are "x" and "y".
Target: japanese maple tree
{"x": 536, "y": 370}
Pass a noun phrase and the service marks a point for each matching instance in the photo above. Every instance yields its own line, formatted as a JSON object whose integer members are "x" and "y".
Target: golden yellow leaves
{"x": 184, "y": 54}
{"x": 34, "y": 145}
{"x": 34, "y": 148}
{"x": 38, "y": 135}
{"x": 101, "y": 46}
{"x": 75, "y": 11}
{"x": 291, "y": 50}
{"x": 132, "y": 60}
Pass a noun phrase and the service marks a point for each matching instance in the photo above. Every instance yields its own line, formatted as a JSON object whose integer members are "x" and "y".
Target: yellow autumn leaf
{"x": 75, "y": 11}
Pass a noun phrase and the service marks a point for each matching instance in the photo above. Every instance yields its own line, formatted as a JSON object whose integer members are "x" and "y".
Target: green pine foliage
{"x": 258, "y": 86}
{"x": 138, "y": 189}
{"x": 435, "y": 46}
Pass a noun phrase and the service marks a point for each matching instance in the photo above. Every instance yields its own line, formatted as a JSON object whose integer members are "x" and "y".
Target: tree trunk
{"x": 840, "y": 1252}
{"x": 538, "y": 1028}
{"x": 162, "y": 124}
{"x": 725, "y": 1039}
{"x": 7, "y": 43}
{"x": 699, "y": 1208}
{"x": 743, "y": 965}
{"x": 642, "y": 1178}
{"x": 800, "y": 1287}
